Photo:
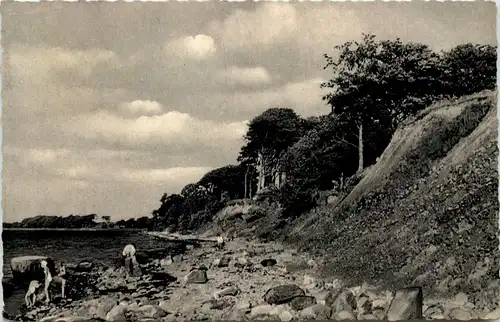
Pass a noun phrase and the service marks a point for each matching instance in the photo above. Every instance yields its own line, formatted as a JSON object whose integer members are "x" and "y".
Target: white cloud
{"x": 244, "y": 76}
{"x": 197, "y": 47}
{"x": 173, "y": 128}
{"x": 139, "y": 107}
{"x": 305, "y": 97}
{"x": 321, "y": 28}
{"x": 270, "y": 23}
{"x": 176, "y": 175}
{"x": 37, "y": 63}
{"x": 45, "y": 156}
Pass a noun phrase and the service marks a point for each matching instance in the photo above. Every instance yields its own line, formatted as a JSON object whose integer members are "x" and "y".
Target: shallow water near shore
{"x": 102, "y": 247}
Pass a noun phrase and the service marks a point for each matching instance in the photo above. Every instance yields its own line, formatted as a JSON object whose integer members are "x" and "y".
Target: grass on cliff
{"x": 432, "y": 196}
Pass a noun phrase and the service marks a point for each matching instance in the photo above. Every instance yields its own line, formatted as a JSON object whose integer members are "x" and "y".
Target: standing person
{"x": 131, "y": 265}
{"x": 47, "y": 280}
{"x": 59, "y": 279}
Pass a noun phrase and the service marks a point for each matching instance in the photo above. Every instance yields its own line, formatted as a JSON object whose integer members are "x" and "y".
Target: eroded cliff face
{"x": 430, "y": 200}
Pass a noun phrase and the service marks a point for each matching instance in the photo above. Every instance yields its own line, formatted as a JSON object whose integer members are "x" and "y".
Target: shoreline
{"x": 74, "y": 229}
{"x": 231, "y": 283}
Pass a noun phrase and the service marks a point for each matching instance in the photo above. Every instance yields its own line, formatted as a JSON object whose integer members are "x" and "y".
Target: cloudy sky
{"x": 108, "y": 105}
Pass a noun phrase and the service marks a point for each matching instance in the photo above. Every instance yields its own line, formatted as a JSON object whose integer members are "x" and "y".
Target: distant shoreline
{"x": 74, "y": 229}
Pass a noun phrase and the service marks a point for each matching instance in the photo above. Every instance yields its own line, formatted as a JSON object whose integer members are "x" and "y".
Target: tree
{"x": 169, "y": 212}
{"x": 227, "y": 179}
{"x": 268, "y": 136}
{"x": 468, "y": 69}
{"x": 377, "y": 81}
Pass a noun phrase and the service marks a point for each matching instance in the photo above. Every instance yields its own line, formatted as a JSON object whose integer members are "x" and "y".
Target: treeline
{"x": 81, "y": 221}
{"x": 71, "y": 221}
{"x": 375, "y": 85}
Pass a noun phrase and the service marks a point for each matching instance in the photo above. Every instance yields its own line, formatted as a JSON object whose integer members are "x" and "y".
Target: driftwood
{"x": 184, "y": 238}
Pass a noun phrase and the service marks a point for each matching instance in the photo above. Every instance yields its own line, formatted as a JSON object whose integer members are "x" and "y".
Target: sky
{"x": 107, "y": 105}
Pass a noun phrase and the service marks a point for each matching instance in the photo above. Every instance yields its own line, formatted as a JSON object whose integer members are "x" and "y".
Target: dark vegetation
{"x": 290, "y": 164}
{"x": 290, "y": 161}
{"x": 81, "y": 221}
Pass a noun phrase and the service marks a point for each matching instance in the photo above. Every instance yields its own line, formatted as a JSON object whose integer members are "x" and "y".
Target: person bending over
{"x": 131, "y": 264}
{"x": 30, "y": 297}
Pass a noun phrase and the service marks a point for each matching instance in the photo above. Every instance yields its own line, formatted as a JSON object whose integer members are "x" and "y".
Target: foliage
{"x": 468, "y": 69}
{"x": 271, "y": 134}
{"x": 71, "y": 221}
{"x": 229, "y": 179}
{"x": 375, "y": 84}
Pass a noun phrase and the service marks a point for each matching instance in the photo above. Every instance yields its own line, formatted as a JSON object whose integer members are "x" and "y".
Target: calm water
{"x": 71, "y": 247}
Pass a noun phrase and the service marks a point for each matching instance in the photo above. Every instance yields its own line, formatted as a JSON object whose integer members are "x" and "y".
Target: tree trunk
{"x": 261, "y": 172}
{"x": 246, "y": 183}
{"x": 360, "y": 147}
{"x": 250, "y": 188}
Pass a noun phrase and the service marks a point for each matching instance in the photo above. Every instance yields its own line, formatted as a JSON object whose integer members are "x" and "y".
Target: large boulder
{"x": 28, "y": 268}
{"x": 406, "y": 305}
{"x": 283, "y": 294}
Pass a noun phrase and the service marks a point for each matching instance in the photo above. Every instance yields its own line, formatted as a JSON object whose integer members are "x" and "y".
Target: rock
{"x": 177, "y": 258}
{"x": 242, "y": 262}
{"x": 264, "y": 309}
{"x": 368, "y": 317}
{"x": 493, "y": 315}
{"x": 283, "y": 294}
{"x": 148, "y": 312}
{"x": 228, "y": 291}
{"x": 224, "y": 261}
{"x": 406, "y": 304}
{"x": 301, "y": 302}
{"x": 243, "y": 305}
{"x": 236, "y": 315}
{"x": 98, "y": 308}
{"x": 84, "y": 266}
{"x": 434, "y": 312}
{"x": 220, "y": 304}
{"x": 311, "y": 263}
{"x": 341, "y": 301}
{"x": 364, "y": 306}
{"x": 166, "y": 261}
{"x": 316, "y": 312}
{"x": 460, "y": 300}
{"x": 309, "y": 282}
{"x": 344, "y": 315}
{"x": 57, "y": 318}
{"x": 268, "y": 262}
{"x": 461, "y": 314}
{"x": 167, "y": 307}
{"x": 27, "y": 268}
{"x": 117, "y": 313}
{"x": 196, "y": 276}
{"x": 285, "y": 316}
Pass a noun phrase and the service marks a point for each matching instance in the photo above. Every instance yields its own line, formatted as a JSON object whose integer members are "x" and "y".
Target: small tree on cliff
{"x": 377, "y": 81}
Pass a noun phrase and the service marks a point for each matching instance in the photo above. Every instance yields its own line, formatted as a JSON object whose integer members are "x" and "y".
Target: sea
{"x": 70, "y": 246}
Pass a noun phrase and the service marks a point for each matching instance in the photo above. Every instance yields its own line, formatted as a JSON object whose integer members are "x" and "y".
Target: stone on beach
{"x": 283, "y": 294}
{"x": 27, "y": 268}
{"x": 301, "y": 302}
{"x": 406, "y": 304}
{"x": 196, "y": 276}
